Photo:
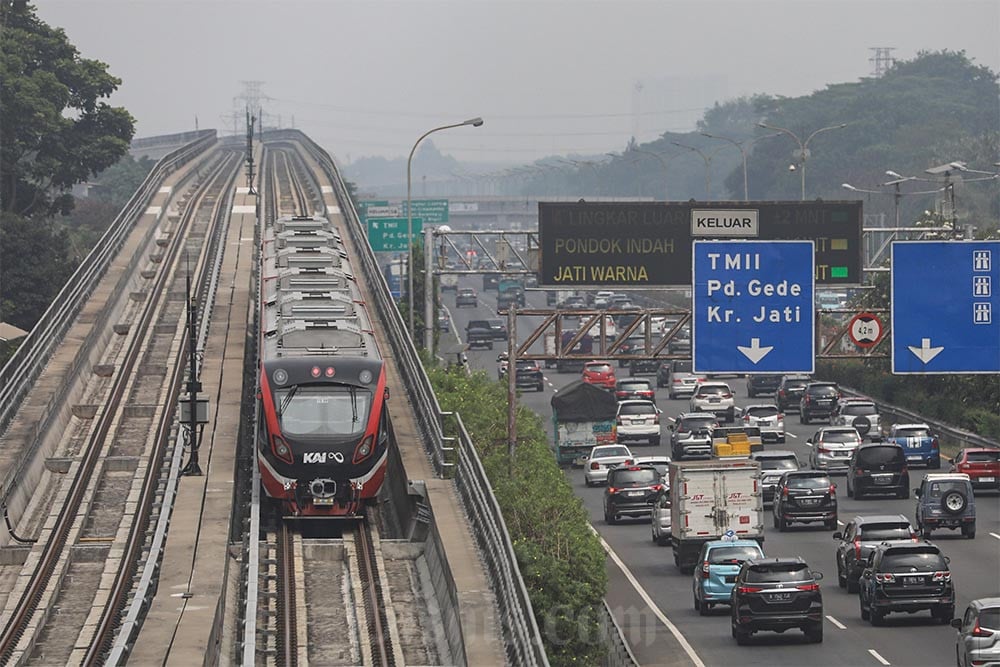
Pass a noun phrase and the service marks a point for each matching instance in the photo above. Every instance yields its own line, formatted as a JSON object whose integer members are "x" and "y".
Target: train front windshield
{"x": 323, "y": 410}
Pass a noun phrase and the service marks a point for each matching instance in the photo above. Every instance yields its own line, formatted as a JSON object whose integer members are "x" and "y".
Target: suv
{"x": 773, "y": 463}
{"x": 691, "y": 435}
{"x": 762, "y": 384}
{"x": 466, "y": 296}
{"x": 818, "y": 400}
{"x": 860, "y": 413}
{"x": 776, "y": 594}
{"x": 631, "y": 491}
{"x": 528, "y": 374}
{"x": 767, "y": 418}
{"x": 805, "y": 496}
{"x": 478, "y": 333}
{"x": 906, "y": 576}
{"x": 625, "y": 389}
{"x": 638, "y": 420}
{"x": 790, "y": 391}
{"x": 714, "y": 397}
{"x": 861, "y": 535}
{"x": 600, "y": 374}
{"x": 832, "y": 447}
{"x": 945, "y": 500}
{"x": 978, "y": 638}
{"x": 677, "y": 375}
{"x": 878, "y": 468}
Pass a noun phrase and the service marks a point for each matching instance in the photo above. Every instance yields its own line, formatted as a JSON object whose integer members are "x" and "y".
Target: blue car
{"x": 715, "y": 574}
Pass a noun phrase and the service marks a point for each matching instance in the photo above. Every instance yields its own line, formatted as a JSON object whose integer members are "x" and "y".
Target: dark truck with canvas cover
{"x": 509, "y": 291}
{"x": 479, "y": 333}
{"x": 583, "y": 416}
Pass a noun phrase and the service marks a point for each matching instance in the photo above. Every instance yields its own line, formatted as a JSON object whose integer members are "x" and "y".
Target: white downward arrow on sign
{"x": 755, "y": 352}
{"x": 925, "y": 352}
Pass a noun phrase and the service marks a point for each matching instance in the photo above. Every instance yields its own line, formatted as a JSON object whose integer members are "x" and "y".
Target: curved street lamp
{"x": 665, "y": 162}
{"x": 739, "y": 146}
{"x": 803, "y": 146}
{"x": 708, "y": 166}
{"x": 474, "y": 122}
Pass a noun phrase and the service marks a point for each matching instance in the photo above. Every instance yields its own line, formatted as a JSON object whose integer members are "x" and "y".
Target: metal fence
{"x": 619, "y": 654}
{"x": 521, "y": 636}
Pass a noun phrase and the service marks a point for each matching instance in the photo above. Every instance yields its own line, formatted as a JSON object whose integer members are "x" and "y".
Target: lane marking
{"x": 649, "y": 602}
{"x": 995, "y": 535}
{"x": 836, "y": 622}
{"x": 791, "y": 435}
{"x": 839, "y": 523}
{"x": 878, "y": 657}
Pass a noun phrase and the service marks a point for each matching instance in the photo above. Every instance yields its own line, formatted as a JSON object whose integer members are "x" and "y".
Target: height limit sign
{"x": 753, "y": 307}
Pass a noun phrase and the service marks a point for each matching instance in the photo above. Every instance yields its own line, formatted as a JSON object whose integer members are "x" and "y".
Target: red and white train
{"x": 324, "y": 432}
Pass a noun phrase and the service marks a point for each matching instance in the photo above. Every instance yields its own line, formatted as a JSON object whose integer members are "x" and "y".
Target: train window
{"x": 327, "y": 410}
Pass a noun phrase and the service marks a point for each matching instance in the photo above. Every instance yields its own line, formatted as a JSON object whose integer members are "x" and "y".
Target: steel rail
{"x": 371, "y": 589}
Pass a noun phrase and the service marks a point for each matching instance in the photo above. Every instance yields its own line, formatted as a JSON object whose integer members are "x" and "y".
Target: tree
{"x": 57, "y": 131}
{"x": 35, "y": 265}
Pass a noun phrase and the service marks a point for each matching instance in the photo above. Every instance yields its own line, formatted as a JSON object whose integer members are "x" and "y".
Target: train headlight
{"x": 363, "y": 450}
{"x": 281, "y": 450}
{"x": 365, "y": 376}
{"x": 280, "y": 376}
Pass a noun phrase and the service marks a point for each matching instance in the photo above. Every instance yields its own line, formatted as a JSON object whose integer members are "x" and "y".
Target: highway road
{"x": 911, "y": 640}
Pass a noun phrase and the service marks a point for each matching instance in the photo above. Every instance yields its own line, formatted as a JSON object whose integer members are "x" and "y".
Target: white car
{"x": 831, "y": 448}
{"x": 601, "y": 459}
{"x": 638, "y": 419}
{"x": 767, "y": 418}
{"x": 714, "y": 397}
{"x": 862, "y": 414}
{"x": 661, "y": 463}
{"x": 660, "y": 519}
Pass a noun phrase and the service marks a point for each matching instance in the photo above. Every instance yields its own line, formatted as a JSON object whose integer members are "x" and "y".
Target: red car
{"x": 981, "y": 464}
{"x": 600, "y": 374}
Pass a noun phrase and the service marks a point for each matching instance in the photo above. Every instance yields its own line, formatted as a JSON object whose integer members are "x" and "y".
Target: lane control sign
{"x": 753, "y": 307}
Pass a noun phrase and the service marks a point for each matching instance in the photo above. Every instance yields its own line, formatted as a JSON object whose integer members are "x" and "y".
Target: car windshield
{"x": 857, "y": 409}
{"x": 989, "y": 619}
{"x": 806, "y": 482}
{"x": 732, "y": 555}
{"x": 940, "y": 488}
{"x": 778, "y": 463}
{"x": 926, "y": 560}
{"x": 762, "y": 411}
{"x": 527, "y": 365}
{"x": 912, "y": 433}
{"x": 683, "y": 366}
{"x": 777, "y": 572}
{"x": 841, "y": 436}
{"x": 633, "y": 386}
{"x": 598, "y": 368}
{"x": 635, "y": 477}
{"x": 823, "y": 390}
{"x": 984, "y": 457}
{"x": 880, "y": 455}
{"x": 696, "y": 424}
{"x": 885, "y": 531}
{"x": 496, "y": 324}
{"x": 796, "y": 384}
{"x": 636, "y": 409}
{"x": 606, "y": 452}
{"x": 713, "y": 389}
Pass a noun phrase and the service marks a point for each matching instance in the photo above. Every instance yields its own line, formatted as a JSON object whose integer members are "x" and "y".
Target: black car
{"x": 906, "y": 576}
{"x": 790, "y": 391}
{"x": 818, "y": 400}
{"x": 631, "y": 491}
{"x": 499, "y": 329}
{"x": 479, "y": 333}
{"x": 860, "y": 537}
{"x": 878, "y": 468}
{"x": 777, "y": 594}
{"x": 762, "y": 384}
{"x": 632, "y": 345}
{"x": 528, "y": 375}
{"x": 805, "y": 496}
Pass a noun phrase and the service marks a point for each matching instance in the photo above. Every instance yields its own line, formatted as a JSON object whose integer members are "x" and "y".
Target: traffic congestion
{"x": 841, "y": 538}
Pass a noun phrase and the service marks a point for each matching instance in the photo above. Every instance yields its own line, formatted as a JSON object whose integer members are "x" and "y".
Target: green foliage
{"x": 57, "y": 131}
{"x": 116, "y": 184}
{"x": 35, "y": 263}
{"x": 561, "y": 560}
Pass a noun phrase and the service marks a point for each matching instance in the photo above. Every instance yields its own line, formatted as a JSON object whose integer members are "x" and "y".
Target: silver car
{"x": 860, "y": 413}
{"x": 714, "y": 397}
{"x": 978, "y": 641}
{"x": 660, "y": 519}
{"x": 773, "y": 464}
{"x": 603, "y": 458}
{"x": 831, "y": 448}
{"x": 768, "y": 419}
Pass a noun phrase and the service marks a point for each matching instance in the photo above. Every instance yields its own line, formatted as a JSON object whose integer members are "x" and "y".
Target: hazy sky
{"x": 368, "y": 77}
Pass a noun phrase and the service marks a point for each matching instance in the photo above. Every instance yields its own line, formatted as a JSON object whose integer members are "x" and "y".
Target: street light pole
{"x": 803, "y": 147}
{"x": 665, "y": 163}
{"x": 708, "y": 167}
{"x": 743, "y": 153}
{"x": 474, "y": 122}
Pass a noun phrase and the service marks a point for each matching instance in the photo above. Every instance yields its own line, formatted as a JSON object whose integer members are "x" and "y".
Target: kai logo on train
{"x": 321, "y": 457}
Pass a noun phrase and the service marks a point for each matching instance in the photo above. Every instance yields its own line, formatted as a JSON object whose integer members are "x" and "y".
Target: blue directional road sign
{"x": 945, "y": 307}
{"x": 753, "y": 307}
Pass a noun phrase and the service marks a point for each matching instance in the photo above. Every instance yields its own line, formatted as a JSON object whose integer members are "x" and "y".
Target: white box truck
{"x": 708, "y": 500}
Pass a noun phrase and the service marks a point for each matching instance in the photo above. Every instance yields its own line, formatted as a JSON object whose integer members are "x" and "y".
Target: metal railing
{"x": 619, "y": 654}
{"x": 22, "y": 370}
{"x": 521, "y": 636}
